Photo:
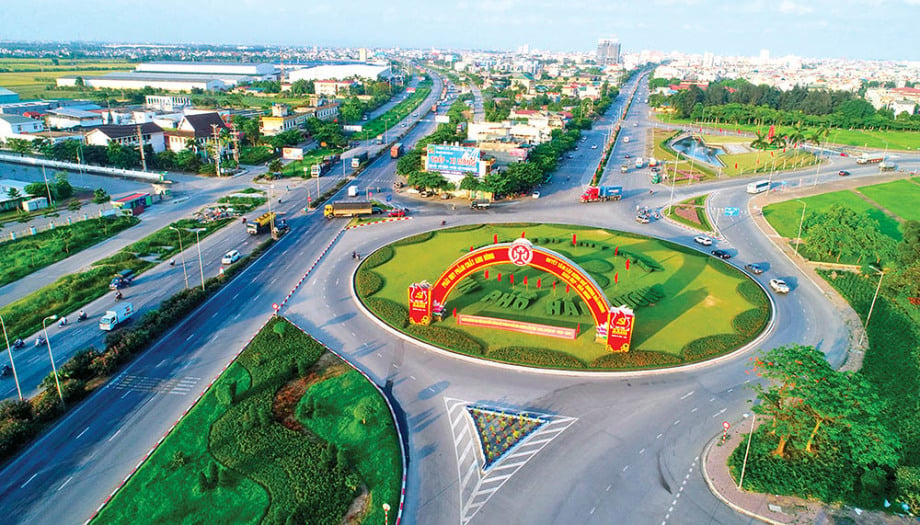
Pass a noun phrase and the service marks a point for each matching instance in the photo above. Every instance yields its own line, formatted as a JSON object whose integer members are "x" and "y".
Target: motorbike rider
{"x": 18, "y": 343}
{"x": 62, "y": 321}
{"x": 81, "y": 315}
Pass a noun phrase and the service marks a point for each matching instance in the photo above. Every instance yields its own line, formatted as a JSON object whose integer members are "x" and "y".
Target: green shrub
{"x": 539, "y": 357}
{"x": 711, "y": 345}
{"x": 379, "y": 257}
{"x": 414, "y": 239}
{"x": 596, "y": 266}
{"x": 368, "y": 282}
{"x": 465, "y": 228}
{"x": 391, "y": 312}
{"x": 750, "y": 322}
{"x": 635, "y": 359}
{"x": 907, "y": 484}
{"x": 446, "y": 338}
{"x": 753, "y": 294}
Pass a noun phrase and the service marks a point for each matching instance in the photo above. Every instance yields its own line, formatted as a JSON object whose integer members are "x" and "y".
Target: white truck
{"x": 115, "y": 317}
{"x": 352, "y": 191}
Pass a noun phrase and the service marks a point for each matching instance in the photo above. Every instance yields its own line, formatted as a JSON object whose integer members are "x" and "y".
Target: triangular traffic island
{"x": 500, "y": 431}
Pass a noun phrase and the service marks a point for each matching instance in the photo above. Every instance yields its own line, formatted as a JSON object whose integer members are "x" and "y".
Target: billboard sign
{"x": 419, "y": 305}
{"x": 442, "y": 119}
{"x": 452, "y": 159}
{"x": 352, "y": 128}
{"x": 620, "y": 328}
{"x": 292, "y": 153}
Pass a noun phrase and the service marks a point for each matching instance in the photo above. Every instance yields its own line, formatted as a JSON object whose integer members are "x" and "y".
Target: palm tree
{"x": 797, "y": 135}
{"x": 759, "y": 142}
{"x": 778, "y": 142}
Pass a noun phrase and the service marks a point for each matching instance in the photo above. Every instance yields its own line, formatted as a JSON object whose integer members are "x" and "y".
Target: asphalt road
{"x": 629, "y": 455}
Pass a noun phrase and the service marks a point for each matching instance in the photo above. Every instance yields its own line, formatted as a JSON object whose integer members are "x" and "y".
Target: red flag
{"x": 758, "y": 161}
{"x": 616, "y": 278}
{"x": 616, "y": 250}
{"x": 511, "y": 277}
{"x": 455, "y": 312}
{"x": 736, "y": 165}
{"x": 739, "y": 131}
{"x": 554, "y": 286}
{"x": 771, "y": 153}
{"x": 720, "y": 130}
{"x": 573, "y": 239}
{"x": 771, "y": 132}
{"x": 525, "y": 279}
{"x": 522, "y": 235}
{"x": 627, "y": 264}
{"x": 539, "y": 282}
{"x": 784, "y": 150}
{"x": 499, "y": 276}
{"x": 566, "y": 288}
{"x": 487, "y": 275}
{"x": 495, "y": 239}
{"x": 578, "y": 329}
{"x": 471, "y": 248}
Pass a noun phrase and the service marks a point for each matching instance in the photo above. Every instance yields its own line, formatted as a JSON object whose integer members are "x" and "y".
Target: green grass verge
{"x": 247, "y": 458}
{"x": 398, "y": 112}
{"x": 692, "y": 213}
{"x": 296, "y": 168}
{"x": 25, "y": 255}
{"x": 700, "y": 294}
{"x": 901, "y": 197}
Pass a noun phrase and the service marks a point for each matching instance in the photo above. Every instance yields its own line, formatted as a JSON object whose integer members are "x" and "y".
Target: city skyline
{"x": 815, "y": 29}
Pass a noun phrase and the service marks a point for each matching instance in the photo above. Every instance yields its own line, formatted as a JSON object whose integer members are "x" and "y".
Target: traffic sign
{"x": 732, "y": 212}
{"x": 725, "y": 425}
{"x": 389, "y": 198}
{"x": 275, "y": 306}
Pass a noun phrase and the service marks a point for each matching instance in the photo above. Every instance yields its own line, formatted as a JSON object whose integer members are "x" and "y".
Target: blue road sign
{"x": 389, "y": 198}
{"x": 732, "y": 212}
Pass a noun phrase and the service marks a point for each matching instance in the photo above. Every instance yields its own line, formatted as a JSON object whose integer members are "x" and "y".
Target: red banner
{"x": 516, "y": 326}
{"x": 620, "y": 328}
{"x": 419, "y": 303}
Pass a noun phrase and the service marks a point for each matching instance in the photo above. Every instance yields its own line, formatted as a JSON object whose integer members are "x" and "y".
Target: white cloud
{"x": 791, "y": 8}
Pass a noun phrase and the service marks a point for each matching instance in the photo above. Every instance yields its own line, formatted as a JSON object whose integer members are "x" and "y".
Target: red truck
{"x": 396, "y": 150}
{"x": 602, "y": 194}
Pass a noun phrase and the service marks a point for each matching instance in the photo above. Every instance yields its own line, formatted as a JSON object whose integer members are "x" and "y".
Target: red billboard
{"x": 420, "y": 303}
{"x": 620, "y": 328}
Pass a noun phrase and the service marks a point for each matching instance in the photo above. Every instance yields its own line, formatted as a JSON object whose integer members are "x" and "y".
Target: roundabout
{"x": 562, "y": 296}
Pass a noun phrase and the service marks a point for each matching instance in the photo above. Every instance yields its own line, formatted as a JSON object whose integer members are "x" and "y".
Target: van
{"x": 352, "y": 191}
{"x": 122, "y": 279}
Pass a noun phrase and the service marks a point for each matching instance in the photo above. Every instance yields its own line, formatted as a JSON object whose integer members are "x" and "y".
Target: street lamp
{"x": 198, "y": 242}
{"x": 182, "y": 253}
{"x": 10, "y": 351}
{"x": 871, "y": 307}
{"x": 53, "y": 368}
{"x": 386, "y": 513}
{"x": 798, "y": 238}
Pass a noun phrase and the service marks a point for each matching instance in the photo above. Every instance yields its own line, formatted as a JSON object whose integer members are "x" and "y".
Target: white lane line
{"x": 237, "y": 316}
{"x": 659, "y": 436}
{"x": 65, "y": 483}
{"x": 273, "y": 280}
{"x": 688, "y": 394}
{"x": 720, "y": 412}
{"x": 642, "y": 451}
{"x": 395, "y": 366}
{"x": 625, "y": 468}
{"x": 711, "y": 399}
{"x": 28, "y": 481}
{"x": 161, "y": 363}
{"x": 115, "y": 434}
{"x": 125, "y": 394}
{"x": 677, "y": 421}
{"x": 593, "y": 509}
{"x": 81, "y": 433}
{"x": 189, "y": 338}
{"x": 694, "y": 410}
{"x": 608, "y": 488}
{"x": 412, "y": 378}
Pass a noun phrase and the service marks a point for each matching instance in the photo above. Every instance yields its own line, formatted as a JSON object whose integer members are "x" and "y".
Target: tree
{"x": 21, "y": 146}
{"x": 279, "y": 329}
{"x": 364, "y": 410}
{"x": 275, "y": 167}
{"x": 13, "y": 193}
{"x": 410, "y": 161}
{"x": 427, "y": 180}
{"x": 100, "y": 196}
{"x": 759, "y": 141}
{"x": 37, "y": 189}
{"x": 470, "y": 183}
{"x": 62, "y": 187}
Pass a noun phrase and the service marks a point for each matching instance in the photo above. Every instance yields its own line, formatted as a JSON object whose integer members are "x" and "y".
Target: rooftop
{"x": 74, "y": 113}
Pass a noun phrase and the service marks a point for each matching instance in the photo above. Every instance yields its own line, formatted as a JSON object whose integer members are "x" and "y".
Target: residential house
{"x": 198, "y": 127}
{"x": 126, "y": 135}
{"x": 281, "y": 120}
{"x": 332, "y": 87}
{"x": 12, "y": 126}
{"x": 67, "y": 118}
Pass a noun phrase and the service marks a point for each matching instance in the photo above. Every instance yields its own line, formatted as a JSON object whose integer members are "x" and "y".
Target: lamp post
{"x": 798, "y": 238}
{"x": 673, "y": 180}
{"x": 871, "y": 307}
{"x": 10, "y": 352}
{"x": 386, "y": 513}
{"x": 198, "y": 242}
{"x": 182, "y": 253}
{"x": 53, "y": 368}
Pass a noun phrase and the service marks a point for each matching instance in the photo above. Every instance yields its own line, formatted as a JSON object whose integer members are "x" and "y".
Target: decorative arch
{"x": 424, "y": 298}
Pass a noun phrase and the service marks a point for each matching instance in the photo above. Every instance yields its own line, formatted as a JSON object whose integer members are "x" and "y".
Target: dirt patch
{"x": 358, "y": 508}
{"x": 287, "y": 397}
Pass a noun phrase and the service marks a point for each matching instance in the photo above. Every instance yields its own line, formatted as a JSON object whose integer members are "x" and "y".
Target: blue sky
{"x": 874, "y": 29}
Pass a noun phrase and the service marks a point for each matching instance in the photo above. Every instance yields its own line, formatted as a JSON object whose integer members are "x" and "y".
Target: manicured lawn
{"x": 25, "y": 255}
{"x": 785, "y": 216}
{"x": 276, "y": 461}
{"x": 901, "y": 197}
{"x": 700, "y": 293}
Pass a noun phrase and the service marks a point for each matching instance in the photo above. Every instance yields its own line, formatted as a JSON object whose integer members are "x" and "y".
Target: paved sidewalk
{"x": 771, "y": 508}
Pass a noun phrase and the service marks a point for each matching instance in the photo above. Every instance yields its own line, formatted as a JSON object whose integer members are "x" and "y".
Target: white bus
{"x": 758, "y": 187}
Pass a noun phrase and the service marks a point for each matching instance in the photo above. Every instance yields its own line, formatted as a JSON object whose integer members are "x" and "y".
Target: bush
{"x": 414, "y": 239}
{"x": 368, "y": 282}
{"x": 465, "y": 228}
{"x": 635, "y": 359}
{"x": 750, "y": 322}
{"x": 446, "y": 338}
{"x": 540, "y": 357}
{"x": 907, "y": 484}
{"x": 753, "y": 294}
{"x": 79, "y": 366}
{"x": 709, "y": 346}
{"x": 391, "y": 312}
{"x": 379, "y": 257}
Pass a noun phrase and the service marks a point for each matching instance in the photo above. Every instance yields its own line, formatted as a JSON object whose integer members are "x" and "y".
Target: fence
{"x": 101, "y": 170}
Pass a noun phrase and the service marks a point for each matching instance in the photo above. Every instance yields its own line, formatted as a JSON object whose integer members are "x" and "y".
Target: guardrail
{"x": 70, "y": 166}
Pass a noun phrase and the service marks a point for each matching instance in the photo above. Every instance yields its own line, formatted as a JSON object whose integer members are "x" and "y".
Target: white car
{"x": 593, "y": 146}
{"x": 536, "y": 195}
{"x": 230, "y": 257}
{"x": 779, "y": 286}
{"x": 702, "y": 239}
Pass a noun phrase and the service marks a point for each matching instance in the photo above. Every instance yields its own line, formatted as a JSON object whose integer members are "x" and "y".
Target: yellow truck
{"x": 347, "y": 209}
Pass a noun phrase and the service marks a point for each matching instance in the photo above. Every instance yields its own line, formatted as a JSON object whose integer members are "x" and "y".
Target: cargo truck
{"x": 261, "y": 224}
{"x": 396, "y": 150}
{"x": 347, "y": 209}
{"x": 116, "y": 316}
{"x": 887, "y": 166}
{"x": 602, "y": 194}
{"x": 869, "y": 159}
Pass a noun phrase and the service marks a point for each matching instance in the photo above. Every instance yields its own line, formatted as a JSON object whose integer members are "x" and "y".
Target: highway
{"x": 630, "y": 453}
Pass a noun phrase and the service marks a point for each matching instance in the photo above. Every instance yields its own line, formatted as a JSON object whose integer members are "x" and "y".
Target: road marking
{"x": 694, "y": 410}
{"x": 720, "y": 412}
{"x": 688, "y": 394}
{"x": 125, "y": 394}
{"x": 161, "y": 363}
{"x": 676, "y": 422}
{"x": 236, "y": 295}
{"x": 395, "y": 366}
{"x": 189, "y": 338}
{"x": 625, "y": 468}
{"x": 412, "y": 378}
{"x": 711, "y": 399}
{"x": 237, "y": 316}
{"x": 608, "y": 488}
{"x": 642, "y": 451}
{"x": 731, "y": 389}
{"x": 593, "y": 509}
{"x": 273, "y": 280}
{"x": 28, "y": 481}
{"x": 659, "y": 436}
{"x": 65, "y": 483}
{"x": 81, "y": 433}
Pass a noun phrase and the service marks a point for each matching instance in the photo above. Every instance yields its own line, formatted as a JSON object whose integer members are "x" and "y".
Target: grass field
{"x": 903, "y": 196}
{"x": 303, "y": 437}
{"x": 700, "y": 293}
{"x": 25, "y": 255}
{"x": 892, "y": 140}
{"x": 31, "y": 78}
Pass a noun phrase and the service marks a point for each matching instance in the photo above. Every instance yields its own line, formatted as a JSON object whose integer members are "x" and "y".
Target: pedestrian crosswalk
{"x": 479, "y": 479}
{"x": 158, "y": 385}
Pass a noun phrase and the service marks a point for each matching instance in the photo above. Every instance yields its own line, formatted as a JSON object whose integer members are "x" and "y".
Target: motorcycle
{"x": 118, "y": 296}
{"x": 18, "y": 344}
{"x": 39, "y": 341}
{"x": 81, "y": 316}
{"x": 62, "y": 322}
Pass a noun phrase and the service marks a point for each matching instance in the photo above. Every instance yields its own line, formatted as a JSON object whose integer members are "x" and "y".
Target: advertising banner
{"x": 517, "y": 326}
{"x": 419, "y": 303}
{"x": 452, "y": 159}
{"x": 442, "y": 119}
{"x": 292, "y": 153}
{"x": 351, "y": 128}
{"x": 620, "y": 328}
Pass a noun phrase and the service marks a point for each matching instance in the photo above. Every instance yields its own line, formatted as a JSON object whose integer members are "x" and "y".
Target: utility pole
{"x": 236, "y": 144}
{"x": 216, "y": 148}
{"x": 140, "y": 141}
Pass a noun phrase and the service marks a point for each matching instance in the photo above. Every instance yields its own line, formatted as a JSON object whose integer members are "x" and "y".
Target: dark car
{"x": 755, "y": 269}
{"x": 626, "y": 156}
{"x": 843, "y": 173}
{"x": 6, "y": 371}
{"x": 721, "y": 254}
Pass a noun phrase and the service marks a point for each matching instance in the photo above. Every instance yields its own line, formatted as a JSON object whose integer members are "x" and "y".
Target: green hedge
{"x": 635, "y": 359}
{"x": 465, "y": 228}
{"x": 368, "y": 282}
{"x": 753, "y": 294}
{"x": 414, "y": 239}
{"x": 379, "y": 257}
{"x": 711, "y": 345}
{"x": 750, "y": 322}
{"x": 541, "y": 357}
{"x": 391, "y": 312}
{"x": 446, "y": 337}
